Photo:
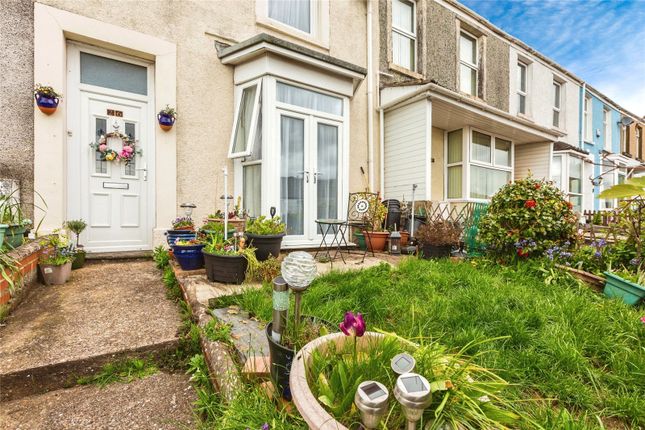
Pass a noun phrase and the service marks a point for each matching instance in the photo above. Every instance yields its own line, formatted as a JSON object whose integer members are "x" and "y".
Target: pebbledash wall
{"x": 180, "y": 38}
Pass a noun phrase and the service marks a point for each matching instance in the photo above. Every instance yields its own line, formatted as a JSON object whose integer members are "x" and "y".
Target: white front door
{"x": 114, "y": 195}
{"x": 310, "y": 162}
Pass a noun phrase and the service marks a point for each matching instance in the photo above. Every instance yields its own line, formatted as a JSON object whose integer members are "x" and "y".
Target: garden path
{"x": 108, "y": 310}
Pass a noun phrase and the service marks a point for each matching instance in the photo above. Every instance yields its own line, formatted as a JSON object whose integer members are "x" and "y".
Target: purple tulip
{"x": 353, "y": 325}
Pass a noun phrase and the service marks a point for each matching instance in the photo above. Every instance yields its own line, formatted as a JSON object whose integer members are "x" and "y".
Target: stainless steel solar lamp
{"x": 371, "y": 400}
{"x": 413, "y": 392}
{"x": 403, "y": 363}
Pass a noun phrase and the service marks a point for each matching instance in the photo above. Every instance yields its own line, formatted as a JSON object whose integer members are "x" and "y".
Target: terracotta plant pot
{"x": 405, "y": 236}
{"x": 166, "y": 122}
{"x": 265, "y": 245}
{"x": 46, "y": 104}
{"x": 238, "y": 224}
{"x": 376, "y": 240}
{"x": 56, "y": 275}
{"x": 313, "y": 413}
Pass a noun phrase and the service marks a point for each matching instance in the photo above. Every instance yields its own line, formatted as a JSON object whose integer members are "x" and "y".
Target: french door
{"x": 310, "y": 162}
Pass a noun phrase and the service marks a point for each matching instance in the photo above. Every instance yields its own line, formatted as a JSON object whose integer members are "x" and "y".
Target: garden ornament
{"x": 413, "y": 392}
{"x": 371, "y": 400}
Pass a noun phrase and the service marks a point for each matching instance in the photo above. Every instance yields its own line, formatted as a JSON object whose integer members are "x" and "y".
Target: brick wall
{"x": 27, "y": 257}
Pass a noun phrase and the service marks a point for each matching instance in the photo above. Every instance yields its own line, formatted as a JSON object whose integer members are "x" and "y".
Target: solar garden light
{"x": 395, "y": 243}
{"x": 371, "y": 400}
{"x": 413, "y": 392}
{"x": 403, "y": 363}
{"x": 188, "y": 208}
{"x": 299, "y": 270}
{"x": 280, "y": 308}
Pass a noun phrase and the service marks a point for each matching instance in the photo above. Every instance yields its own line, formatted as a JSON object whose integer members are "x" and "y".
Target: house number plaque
{"x": 117, "y": 113}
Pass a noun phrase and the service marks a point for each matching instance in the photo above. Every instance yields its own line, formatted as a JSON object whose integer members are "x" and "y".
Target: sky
{"x": 600, "y": 41}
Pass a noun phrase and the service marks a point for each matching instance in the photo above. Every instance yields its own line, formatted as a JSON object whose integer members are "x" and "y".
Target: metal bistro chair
{"x": 360, "y": 214}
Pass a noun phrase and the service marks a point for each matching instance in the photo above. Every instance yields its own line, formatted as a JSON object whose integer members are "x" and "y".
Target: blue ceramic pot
{"x": 46, "y": 104}
{"x": 165, "y": 121}
{"x": 14, "y": 236}
{"x": 173, "y": 235}
{"x": 3, "y": 228}
{"x": 189, "y": 257}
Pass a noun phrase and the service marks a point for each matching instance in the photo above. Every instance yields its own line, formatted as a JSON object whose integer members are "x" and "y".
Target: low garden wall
{"x": 26, "y": 257}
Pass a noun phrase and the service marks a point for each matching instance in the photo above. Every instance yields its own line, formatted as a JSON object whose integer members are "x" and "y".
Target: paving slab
{"x": 248, "y": 334}
{"x": 161, "y": 401}
{"x": 107, "y": 309}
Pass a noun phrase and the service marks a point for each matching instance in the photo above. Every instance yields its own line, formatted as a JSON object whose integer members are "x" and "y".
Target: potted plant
{"x": 182, "y": 228}
{"x": 188, "y": 253}
{"x": 77, "y": 226}
{"x": 213, "y": 227}
{"x": 56, "y": 262}
{"x": 3, "y": 229}
{"x": 376, "y": 237}
{"x": 225, "y": 260}
{"x": 265, "y": 235}
{"x": 236, "y": 217}
{"x": 438, "y": 237}
{"x": 13, "y": 217}
{"x": 166, "y": 118}
{"x": 47, "y": 99}
{"x": 359, "y": 238}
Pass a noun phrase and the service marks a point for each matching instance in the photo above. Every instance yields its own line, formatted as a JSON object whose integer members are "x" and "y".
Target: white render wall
{"x": 540, "y": 96}
{"x": 407, "y": 140}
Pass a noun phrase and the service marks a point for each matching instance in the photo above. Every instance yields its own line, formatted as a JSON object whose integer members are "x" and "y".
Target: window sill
{"x": 293, "y": 32}
{"x": 525, "y": 116}
{"x": 400, "y": 69}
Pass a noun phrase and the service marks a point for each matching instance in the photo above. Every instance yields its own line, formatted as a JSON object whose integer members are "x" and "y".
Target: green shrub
{"x": 527, "y": 217}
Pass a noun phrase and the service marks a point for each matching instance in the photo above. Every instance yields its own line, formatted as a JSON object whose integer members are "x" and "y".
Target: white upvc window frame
{"x": 465, "y": 63}
{"x": 522, "y": 93}
{"x": 565, "y": 174}
{"x": 557, "y": 103}
{"x": 616, "y": 173}
{"x": 318, "y": 22}
{"x": 606, "y": 128}
{"x": 404, "y": 33}
{"x": 239, "y": 90}
{"x": 467, "y": 162}
{"x": 587, "y": 106}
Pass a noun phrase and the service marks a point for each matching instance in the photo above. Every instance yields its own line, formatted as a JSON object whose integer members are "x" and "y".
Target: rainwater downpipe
{"x": 370, "y": 100}
{"x": 581, "y": 114}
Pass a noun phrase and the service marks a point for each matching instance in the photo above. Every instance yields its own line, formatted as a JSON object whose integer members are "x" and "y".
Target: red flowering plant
{"x": 527, "y": 217}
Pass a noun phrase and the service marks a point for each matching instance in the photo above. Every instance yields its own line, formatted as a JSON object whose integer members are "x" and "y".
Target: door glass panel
{"x": 109, "y": 73}
{"x": 292, "y": 166}
{"x": 130, "y": 131}
{"x": 100, "y": 166}
{"x": 327, "y": 172}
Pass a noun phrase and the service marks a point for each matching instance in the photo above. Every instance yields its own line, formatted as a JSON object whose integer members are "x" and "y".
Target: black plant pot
{"x": 435, "y": 251}
{"x": 229, "y": 269}
{"x": 265, "y": 245}
{"x": 281, "y": 359}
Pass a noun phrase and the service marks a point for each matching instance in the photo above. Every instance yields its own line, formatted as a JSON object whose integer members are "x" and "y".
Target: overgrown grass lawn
{"x": 560, "y": 340}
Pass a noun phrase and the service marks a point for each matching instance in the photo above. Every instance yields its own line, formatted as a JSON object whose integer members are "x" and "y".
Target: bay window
{"x": 487, "y": 168}
{"x": 567, "y": 173}
{"x": 575, "y": 183}
{"x": 468, "y": 64}
{"x": 404, "y": 34}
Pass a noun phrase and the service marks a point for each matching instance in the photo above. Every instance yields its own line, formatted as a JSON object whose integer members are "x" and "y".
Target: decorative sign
{"x": 362, "y": 206}
{"x": 116, "y": 185}
{"x": 117, "y": 113}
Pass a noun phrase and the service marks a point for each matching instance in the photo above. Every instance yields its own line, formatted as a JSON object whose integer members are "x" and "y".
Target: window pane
{"x": 522, "y": 104}
{"x": 251, "y": 193}
{"x": 109, "y": 73}
{"x": 455, "y": 146}
{"x": 575, "y": 175}
{"x": 556, "y": 173}
{"x": 327, "y": 172}
{"x": 131, "y": 168}
{"x": 244, "y": 117}
{"x": 521, "y": 77}
{"x": 480, "y": 149}
{"x": 485, "y": 182}
{"x": 292, "y": 166}
{"x": 309, "y": 99}
{"x": 100, "y": 166}
{"x": 502, "y": 152}
{"x": 403, "y": 50}
{"x": 454, "y": 182}
{"x": 403, "y": 15}
{"x": 467, "y": 49}
{"x": 467, "y": 79}
{"x": 576, "y": 201}
{"x": 294, "y": 13}
{"x": 556, "y": 118}
{"x": 556, "y": 95}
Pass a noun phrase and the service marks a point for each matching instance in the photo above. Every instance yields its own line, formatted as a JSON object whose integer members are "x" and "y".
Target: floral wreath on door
{"x": 128, "y": 150}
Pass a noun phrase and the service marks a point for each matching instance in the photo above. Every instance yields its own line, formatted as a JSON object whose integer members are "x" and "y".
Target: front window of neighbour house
{"x": 639, "y": 143}
{"x": 609, "y": 179}
{"x": 556, "y": 171}
{"x": 468, "y": 64}
{"x": 586, "y": 114}
{"x": 606, "y": 128}
{"x": 557, "y": 103}
{"x": 404, "y": 38}
{"x": 521, "y": 87}
{"x": 294, "y": 13}
{"x": 575, "y": 183}
{"x": 489, "y": 165}
{"x": 567, "y": 175}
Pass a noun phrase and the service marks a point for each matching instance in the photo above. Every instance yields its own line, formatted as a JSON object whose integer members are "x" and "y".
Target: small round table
{"x": 335, "y": 228}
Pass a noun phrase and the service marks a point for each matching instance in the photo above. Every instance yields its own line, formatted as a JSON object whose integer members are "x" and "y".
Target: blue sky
{"x": 600, "y": 41}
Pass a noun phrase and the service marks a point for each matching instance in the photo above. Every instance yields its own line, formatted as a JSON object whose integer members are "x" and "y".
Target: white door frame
{"x": 74, "y": 190}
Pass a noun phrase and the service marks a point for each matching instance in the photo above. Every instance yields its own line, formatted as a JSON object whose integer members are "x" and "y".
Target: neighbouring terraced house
{"x": 302, "y": 101}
